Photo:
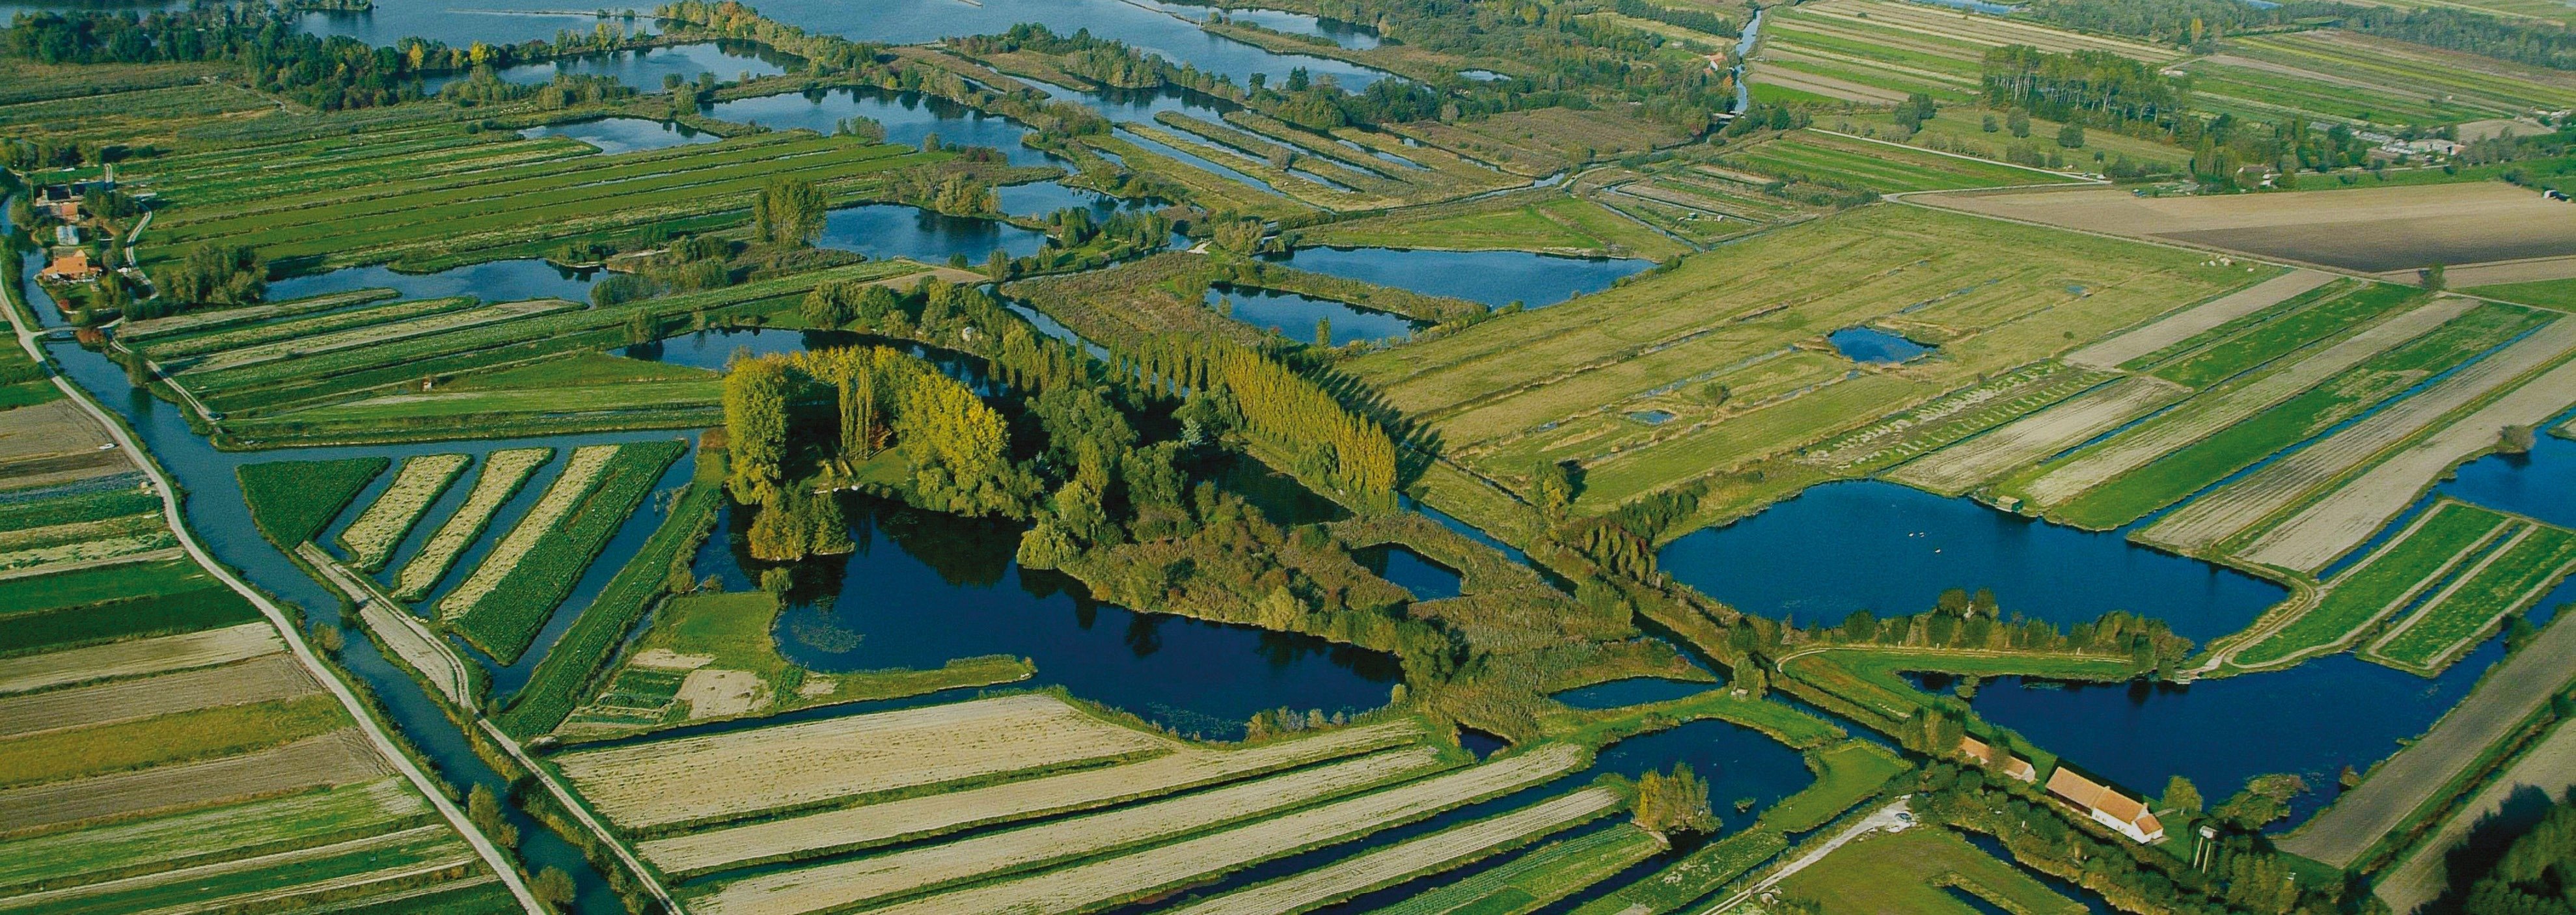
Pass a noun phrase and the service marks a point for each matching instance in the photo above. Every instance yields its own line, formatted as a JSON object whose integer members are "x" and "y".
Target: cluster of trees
{"x": 1963, "y": 621}
{"x": 1694, "y": 20}
{"x": 1668, "y": 804}
{"x": 211, "y": 275}
{"x": 566, "y": 90}
{"x": 2081, "y": 87}
{"x": 789, "y": 211}
{"x": 2198, "y": 24}
{"x": 821, "y": 53}
{"x": 1283, "y": 409}
{"x": 2536, "y": 874}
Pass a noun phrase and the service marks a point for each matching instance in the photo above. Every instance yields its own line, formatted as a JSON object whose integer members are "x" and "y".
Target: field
{"x": 2387, "y": 581}
{"x": 2524, "y": 564}
{"x": 2558, "y": 294}
{"x": 263, "y": 679}
{"x": 370, "y": 540}
{"x": 1542, "y": 222}
{"x": 1537, "y": 878}
{"x": 1846, "y": 774}
{"x": 294, "y": 500}
{"x": 2366, "y": 229}
{"x": 2025, "y": 441}
{"x": 1887, "y": 168}
{"x": 1916, "y": 871}
{"x": 1563, "y": 382}
{"x": 509, "y": 596}
{"x": 503, "y": 472}
{"x": 1695, "y": 876}
{"x": 55, "y": 443}
{"x": 1869, "y": 52}
{"x": 660, "y": 784}
{"x": 1318, "y": 171}
{"x": 2190, "y": 324}
{"x": 1429, "y": 854}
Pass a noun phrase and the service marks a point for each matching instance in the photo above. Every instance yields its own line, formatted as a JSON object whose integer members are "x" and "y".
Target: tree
{"x": 789, "y": 212}
{"x": 755, "y": 405}
{"x": 483, "y": 809}
{"x": 2181, "y": 795}
{"x": 2432, "y": 277}
{"x": 1989, "y": 124}
{"x": 1668, "y": 804}
{"x": 2018, "y": 122}
{"x": 1916, "y": 109}
{"x": 554, "y": 888}
{"x": 2515, "y": 440}
{"x": 2071, "y": 136}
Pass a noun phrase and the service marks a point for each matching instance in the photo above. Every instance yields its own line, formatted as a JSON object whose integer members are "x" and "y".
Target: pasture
{"x": 513, "y": 592}
{"x": 2367, "y": 229}
{"x": 1834, "y": 160}
{"x": 503, "y": 472}
{"x": 1915, "y": 871}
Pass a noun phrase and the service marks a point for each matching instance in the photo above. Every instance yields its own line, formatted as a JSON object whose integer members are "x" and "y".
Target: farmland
{"x": 1885, "y": 168}
{"x": 502, "y": 474}
{"x": 2522, "y": 565}
{"x": 371, "y": 538}
{"x": 2367, "y": 229}
{"x": 2388, "y": 580}
{"x": 1916, "y": 871}
{"x": 1540, "y": 877}
{"x": 513, "y": 591}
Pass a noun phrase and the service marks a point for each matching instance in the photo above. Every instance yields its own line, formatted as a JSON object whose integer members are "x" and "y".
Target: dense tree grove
{"x": 211, "y": 275}
{"x": 1675, "y": 803}
{"x": 2537, "y": 873}
{"x": 789, "y": 212}
{"x": 1964, "y": 621}
{"x": 1282, "y": 409}
{"x": 2096, "y": 87}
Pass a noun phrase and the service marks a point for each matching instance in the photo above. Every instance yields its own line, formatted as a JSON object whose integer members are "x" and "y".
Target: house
{"x": 2107, "y": 805}
{"x": 1998, "y": 760}
{"x": 72, "y": 268}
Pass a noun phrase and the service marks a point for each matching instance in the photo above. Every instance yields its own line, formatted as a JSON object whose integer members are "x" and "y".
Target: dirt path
{"x": 398, "y": 628}
{"x": 375, "y": 732}
{"x": 2394, "y": 790}
{"x": 1895, "y": 817}
{"x": 2548, "y": 767}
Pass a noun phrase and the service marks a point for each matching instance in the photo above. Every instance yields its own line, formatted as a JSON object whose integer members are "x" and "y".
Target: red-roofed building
{"x": 2106, "y": 805}
{"x": 73, "y": 267}
{"x": 1998, "y": 760}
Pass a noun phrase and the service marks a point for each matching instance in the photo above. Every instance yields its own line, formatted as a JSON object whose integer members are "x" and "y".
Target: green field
{"x": 2271, "y": 340}
{"x": 2544, "y": 293}
{"x": 107, "y": 852}
{"x": 1696, "y": 875}
{"x": 1546, "y": 223}
{"x": 175, "y": 737}
{"x": 2510, "y": 580}
{"x": 1846, "y": 774}
{"x": 1536, "y": 878}
{"x": 2191, "y": 468}
{"x": 1882, "y": 167}
{"x": 508, "y": 617}
{"x": 2382, "y": 582}
{"x": 1914, "y": 872}
{"x": 292, "y": 501}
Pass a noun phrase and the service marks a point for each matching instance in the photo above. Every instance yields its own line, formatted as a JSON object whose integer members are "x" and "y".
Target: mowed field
{"x": 1731, "y": 348}
{"x": 2366, "y": 229}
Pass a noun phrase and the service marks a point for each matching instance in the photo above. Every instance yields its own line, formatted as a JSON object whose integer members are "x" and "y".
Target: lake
{"x": 1296, "y": 315}
{"x": 646, "y": 68}
{"x": 1147, "y": 28}
{"x": 1496, "y": 278}
{"x": 623, "y": 135}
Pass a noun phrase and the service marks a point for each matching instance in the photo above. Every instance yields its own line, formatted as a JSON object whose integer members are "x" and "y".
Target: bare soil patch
{"x": 2183, "y": 325}
{"x": 2368, "y": 229}
{"x": 139, "y": 657}
{"x": 54, "y": 442}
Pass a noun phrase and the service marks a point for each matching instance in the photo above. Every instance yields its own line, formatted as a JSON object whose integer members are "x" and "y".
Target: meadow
{"x": 500, "y": 477}
{"x": 2386, "y": 581}
{"x": 511, "y": 594}
{"x": 1916, "y": 871}
{"x": 2523, "y": 565}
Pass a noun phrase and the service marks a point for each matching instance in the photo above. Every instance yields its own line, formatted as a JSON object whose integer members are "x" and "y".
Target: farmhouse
{"x": 1998, "y": 760}
{"x": 2106, "y": 805}
{"x": 73, "y": 267}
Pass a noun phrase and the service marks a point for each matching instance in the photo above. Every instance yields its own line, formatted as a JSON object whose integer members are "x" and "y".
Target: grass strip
{"x": 1530, "y": 881}
{"x": 59, "y": 628}
{"x": 562, "y": 680}
{"x": 176, "y": 737}
{"x": 292, "y": 501}
{"x": 538, "y": 575}
{"x": 1696, "y": 875}
{"x": 2382, "y": 582}
{"x": 504, "y": 471}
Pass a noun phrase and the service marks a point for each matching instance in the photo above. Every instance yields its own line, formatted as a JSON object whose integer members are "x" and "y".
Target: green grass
{"x": 561, "y": 681}
{"x": 2228, "y": 358}
{"x": 330, "y": 814}
{"x": 2362, "y": 592}
{"x": 1515, "y": 223}
{"x": 486, "y": 898}
{"x": 2545, "y": 293}
{"x": 2508, "y": 583}
{"x": 91, "y": 585}
{"x": 390, "y": 856}
{"x": 1846, "y": 774}
{"x": 579, "y": 370}
{"x": 1697, "y": 874}
{"x": 2176, "y": 475}
{"x": 167, "y": 349}
{"x": 28, "y": 394}
{"x": 1908, "y": 872}
{"x": 73, "y": 626}
{"x": 1537, "y": 878}
{"x": 1882, "y": 167}
{"x": 176, "y": 737}
{"x": 508, "y": 617}
{"x": 292, "y": 501}
{"x": 87, "y": 506}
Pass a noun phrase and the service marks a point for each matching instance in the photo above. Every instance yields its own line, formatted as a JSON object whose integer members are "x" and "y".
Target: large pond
{"x": 494, "y": 281}
{"x": 884, "y": 230}
{"x": 1496, "y": 278}
{"x": 461, "y": 25}
{"x": 623, "y": 135}
{"x": 909, "y": 118}
{"x": 1307, "y": 319}
{"x": 1144, "y": 26}
{"x": 646, "y": 69}
{"x": 924, "y": 588}
{"x": 1892, "y": 550}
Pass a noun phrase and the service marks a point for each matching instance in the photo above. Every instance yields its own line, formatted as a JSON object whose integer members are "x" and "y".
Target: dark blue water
{"x": 1496, "y": 278}
{"x": 1427, "y": 580}
{"x": 1043, "y": 197}
{"x": 461, "y": 25}
{"x": 925, "y": 588}
{"x": 2311, "y": 720}
{"x": 645, "y": 69}
{"x": 1869, "y": 344}
{"x": 1348, "y": 35}
{"x": 884, "y": 230}
{"x": 2541, "y": 484}
{"x": 1631, "y": 691}
{"x": 1738, "y": 762}
{"x": 623, "y": 135}
{"x": 496, "y": 281}
{"x": 1295, "y": 316}
{"x": 1892, "y": 550}
{"x": 1149, "y": 29}
{"x": 909, "y": 117}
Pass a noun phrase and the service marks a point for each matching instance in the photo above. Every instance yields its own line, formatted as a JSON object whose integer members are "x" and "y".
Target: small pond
{"x": 1869, "y": 344}
{"x": 623, "y": 135}
{"x": 1892, "y": 550}
{"x": 1427, "y": 580}
{"x": 924, "y": 588}
{"x": 1632, "y": 691}
{"x": 1738, "y": 762}
{"x": 1496, "y": 278}
{"x": 885, "y": 230}
{"x": 1484, "y": 76}
{"x": 1297, "y": 316}
{"x": 493, "y": 281}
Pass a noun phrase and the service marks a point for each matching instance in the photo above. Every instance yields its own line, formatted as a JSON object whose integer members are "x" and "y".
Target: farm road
{"x": 1895, "y": 817}
{"x": 2549, "y": 767}
{"x": 2399, "y": 786}
{"x": 367, "y": 723}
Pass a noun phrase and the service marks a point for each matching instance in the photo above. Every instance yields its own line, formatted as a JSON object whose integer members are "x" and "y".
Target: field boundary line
{"x": 2443, "y": 658}
{"x": 366, "y": 721}
{"x": 158, "y": 555}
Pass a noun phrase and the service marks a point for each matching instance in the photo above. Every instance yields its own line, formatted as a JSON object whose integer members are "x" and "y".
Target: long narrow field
{"x": 2524, "y": 564}
{"x": 673, "y": 782}
{"x": 1561, "y": 383}
{"x": 2184, "y": 325}
{"x": 384, "y": 523}
{"x": 2030, "y": 439}
{"x": 1887, "y": 168}
{"x": 2368, "y": 229}
{"x": 1396, "y": 863}
{"x": 1532, "y": 880}
{"x": 2387, "y": 581}
{"x": 920, "y": 817}
{"x": 503, "y": 472}
{"x": 1104, "y": 882}
{"x": 510, "y": 595}
{"x": 927, "y": 868}
{"x": 2283, "y": 484}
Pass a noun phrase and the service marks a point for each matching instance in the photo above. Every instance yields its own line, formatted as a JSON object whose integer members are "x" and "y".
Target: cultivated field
{"x": 1533, "y": 880}
{"x": 504, "y": 471}
{"x": 910, "y": 818}
{"x": 2524, "y": 564}
{"x": 2030, "y": 439}
{"x": 672, "y": 782}
{"x": 371, "y": 538}
{"x": 265, "y": 678}
{"x": 2367, "y": 229}
{"x": 137, "y": 658}
{"x": 2388, "y": 580}
{"x": 2206, "y": 316}
{"x": 1402, "y": 861}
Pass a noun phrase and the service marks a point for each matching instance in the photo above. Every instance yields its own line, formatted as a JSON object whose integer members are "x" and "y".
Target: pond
{"x": 1496, "y": 278}
{"x": 516, "y": 22}
{"x": 1296, "y": 316}
{"x": 1869, "y": 344}
{"x": 1148, "y": 28}
{"x": 1738, "y": 762}
{"x": 924, "y": 588}
{"x": 1892, "y": 550}
{"x": 645, "y": 69}
{"x": 886, "y": 230}
{"x": 493, "y": 281}
{"x": 1348, "y": 35}
{"x": 1631, "y": 691}
{"x": 623, "y": 135}
{"x": 909, "y": 118}
{"x": 1427, "y": 580}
